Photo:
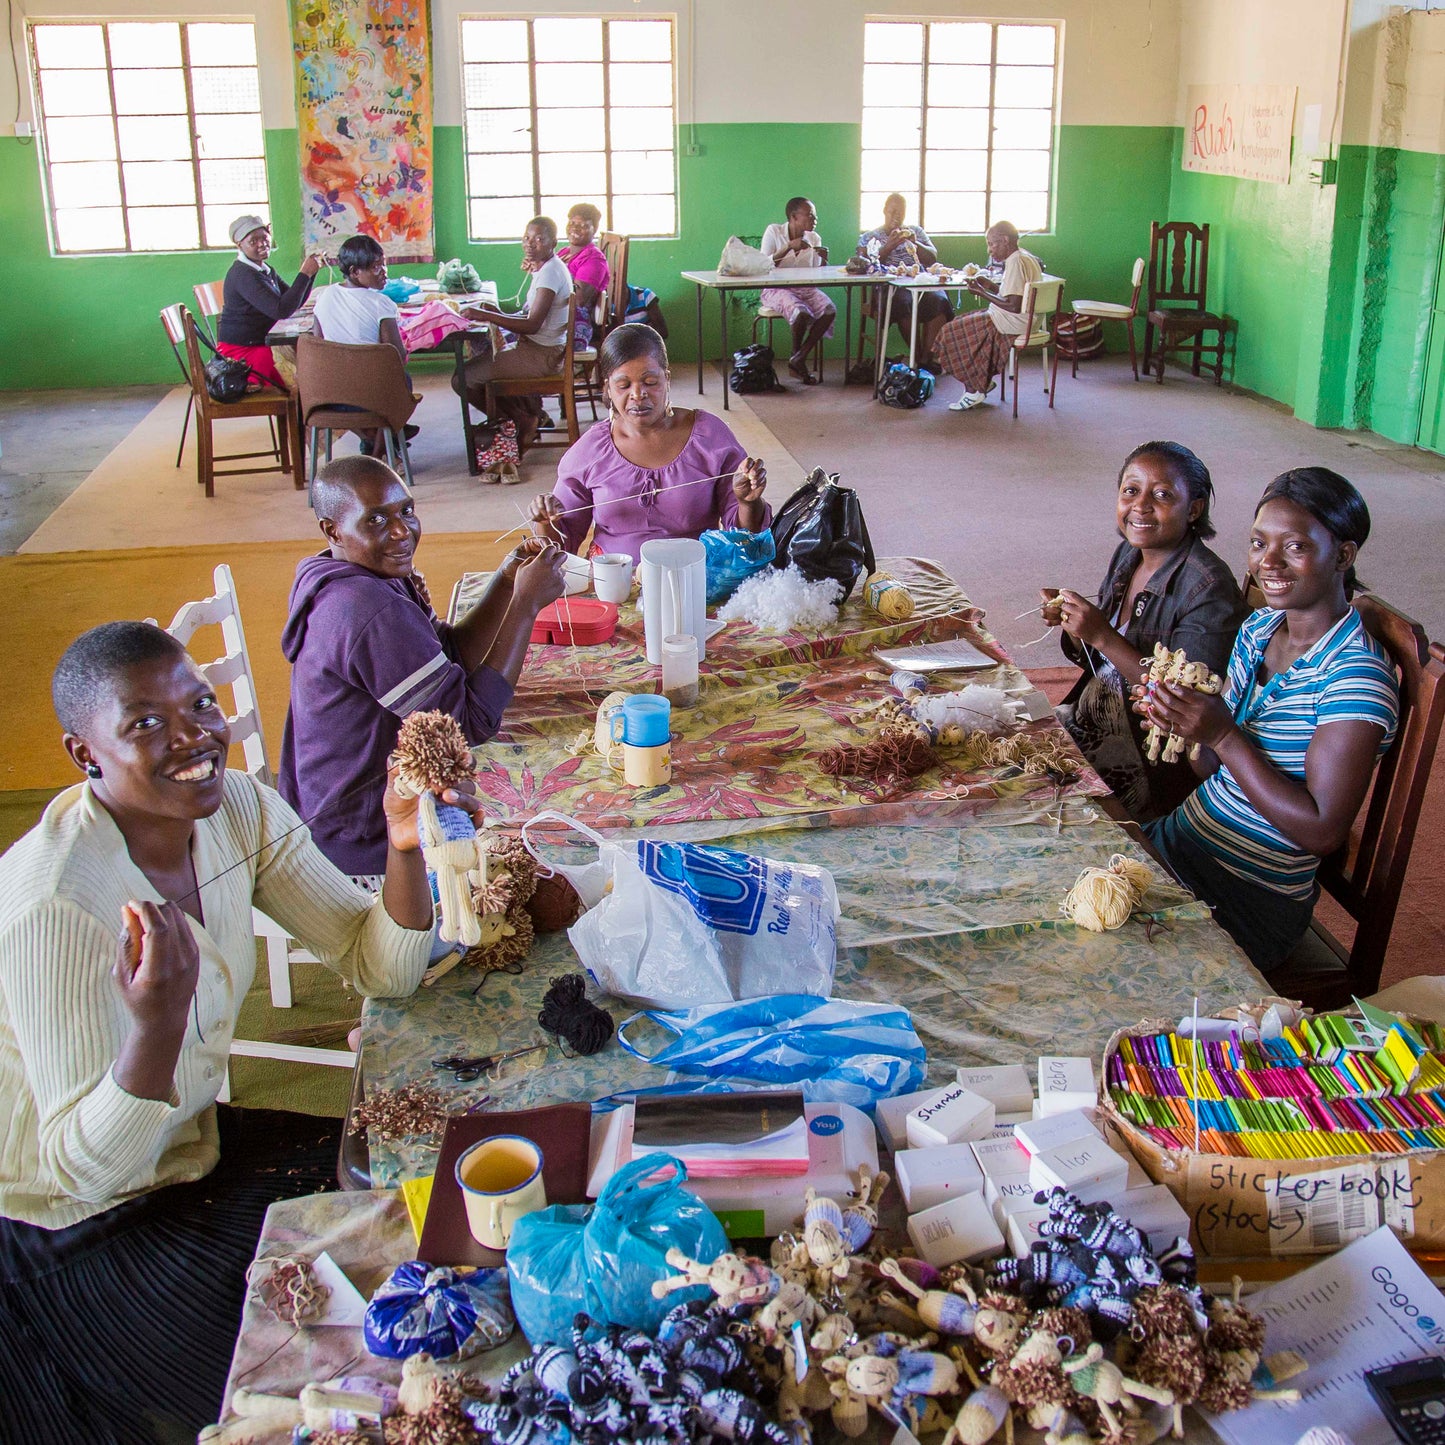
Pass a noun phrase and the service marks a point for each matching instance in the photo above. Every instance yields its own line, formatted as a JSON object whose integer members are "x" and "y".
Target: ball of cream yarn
{"x": 1103, "y": 898}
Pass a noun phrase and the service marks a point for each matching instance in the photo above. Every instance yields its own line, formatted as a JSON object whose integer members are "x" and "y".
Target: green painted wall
{"x": 79, "y": 321}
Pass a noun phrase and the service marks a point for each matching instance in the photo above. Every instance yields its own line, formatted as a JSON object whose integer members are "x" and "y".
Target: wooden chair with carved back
{"x": 1178, "y": 319}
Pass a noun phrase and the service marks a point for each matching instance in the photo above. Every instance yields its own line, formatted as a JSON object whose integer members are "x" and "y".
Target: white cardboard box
{"x": 1007, "y": 1085}
{"x": 963, "y": 1228}
{"x": 1036, "y": 1135}
{"x": 1001, "y": 1158}
{"x": 928, "y": 1177}
{"x": 1155, "y": 1213}
{"x": 1010, "y": 1197}
{"x": 1023, "y": 1230}
{"x": 1065, "y": 1083}
{"x": 891, "y": 1115}
{"x": 1087, "y": 1168}
{"x": 953, "y": 1115}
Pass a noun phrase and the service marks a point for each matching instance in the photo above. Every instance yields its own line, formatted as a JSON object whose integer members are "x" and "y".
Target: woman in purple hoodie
{"x": 366, "y": 650}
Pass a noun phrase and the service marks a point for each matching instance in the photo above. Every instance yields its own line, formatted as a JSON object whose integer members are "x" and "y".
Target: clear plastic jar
{"x": 679, "y": 670}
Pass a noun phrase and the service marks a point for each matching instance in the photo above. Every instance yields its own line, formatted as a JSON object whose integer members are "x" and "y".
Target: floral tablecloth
{"x": 770, "y": 704}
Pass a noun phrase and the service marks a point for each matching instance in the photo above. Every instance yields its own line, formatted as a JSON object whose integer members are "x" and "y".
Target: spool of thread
{"x": 909, "y": 684}
{"x": 888, "y": 598}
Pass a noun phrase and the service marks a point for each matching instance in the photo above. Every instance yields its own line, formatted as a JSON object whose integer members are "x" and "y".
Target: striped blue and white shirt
{"x": 1345, "y": 676}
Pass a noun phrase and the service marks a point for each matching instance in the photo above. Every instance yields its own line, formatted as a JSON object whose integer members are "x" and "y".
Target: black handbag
{"x": 226, "y": 378}
{"x": 904, "y": 387}
{"x": 821, "y": 531}
{"x": 752, "y": 371}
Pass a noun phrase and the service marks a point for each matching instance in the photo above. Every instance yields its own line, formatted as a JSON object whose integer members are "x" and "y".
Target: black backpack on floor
{"x": 752, "y": 371}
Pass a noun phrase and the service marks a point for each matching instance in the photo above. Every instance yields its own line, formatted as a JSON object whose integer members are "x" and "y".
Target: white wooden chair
{"x": 233, "y": 670}
{"x": 1041, "y": 300}
{"x": 1102, "y": 311}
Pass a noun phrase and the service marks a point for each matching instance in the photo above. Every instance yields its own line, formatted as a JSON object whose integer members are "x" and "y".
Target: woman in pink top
{"x": 586, "y": 263}
{"x": 648, "y": 470}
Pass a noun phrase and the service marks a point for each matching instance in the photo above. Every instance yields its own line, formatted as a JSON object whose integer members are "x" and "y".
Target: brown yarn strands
{"x": 890, "y": 759}
{"x": 391, "y": 1116}
{"x": 431, "y": 752}
{"x": 1104, "y": 898}
{"x": 287, "y": 1288}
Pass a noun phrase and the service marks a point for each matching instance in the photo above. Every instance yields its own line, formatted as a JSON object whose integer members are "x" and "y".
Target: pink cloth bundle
{"x": 430, "y": 326}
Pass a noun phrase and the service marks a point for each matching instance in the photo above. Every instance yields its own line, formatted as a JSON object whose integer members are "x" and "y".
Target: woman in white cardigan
{"x": 809, "y": 312}
{"x": 125, "y": 952}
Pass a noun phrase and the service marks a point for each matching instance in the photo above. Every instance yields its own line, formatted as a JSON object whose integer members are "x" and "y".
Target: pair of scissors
{"x": 467, "y": 1070}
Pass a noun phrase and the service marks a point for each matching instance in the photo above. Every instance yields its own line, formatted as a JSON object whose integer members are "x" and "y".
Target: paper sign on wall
{"x": 1240, "y": 130}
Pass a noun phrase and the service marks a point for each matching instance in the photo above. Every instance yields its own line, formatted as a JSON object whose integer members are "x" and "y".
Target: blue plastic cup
{"x": 644, "y": 722}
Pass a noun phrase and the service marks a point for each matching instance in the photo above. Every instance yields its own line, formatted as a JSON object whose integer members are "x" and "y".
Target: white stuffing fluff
{"x": 972, "y": 708}
{"x": 783, "y": 601}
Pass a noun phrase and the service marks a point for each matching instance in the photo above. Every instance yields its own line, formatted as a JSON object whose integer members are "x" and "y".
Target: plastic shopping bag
{"x": 684, "y": 924}
{"x": 835, "y": 1050}
{"x": 740, "y": 259}
{"x": 604, "y": 1259}
{"x": 451, "y": 1316}
{"x": 733, "y": 556}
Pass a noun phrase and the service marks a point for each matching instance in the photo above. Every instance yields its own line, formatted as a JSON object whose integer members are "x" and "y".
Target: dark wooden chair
{"x": 1366, "y": 875}
{"x": 562, "y": 385}
{"x": 1177, "y": 320}
{"x": 610, "y": 311}
{"x": 175, "y": 329}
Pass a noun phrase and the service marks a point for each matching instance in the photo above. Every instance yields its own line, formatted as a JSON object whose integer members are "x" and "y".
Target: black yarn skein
{"x": 566, "y": 1011}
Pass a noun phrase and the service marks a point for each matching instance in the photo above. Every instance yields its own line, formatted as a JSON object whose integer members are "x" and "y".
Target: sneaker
{"x": 967, "y": 401}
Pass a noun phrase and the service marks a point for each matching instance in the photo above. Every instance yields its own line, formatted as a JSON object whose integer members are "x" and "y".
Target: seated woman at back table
{"x": 897, "y": 244}
{"x": 809, "y": 313}
{"x": 254, "y": 299}
{"x": 1163, "y": 585}
{"x": 584, "y": 259}
{"x": 130, "y": 1203}
{"x": 648, "y": 469}
{"x": 540, "y": 331}
{"x": 1287, "y": 753}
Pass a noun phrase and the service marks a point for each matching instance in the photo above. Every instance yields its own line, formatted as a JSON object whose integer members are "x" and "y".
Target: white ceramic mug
{"x": 500, "y": 1180}
{"x": 612, "y": 576}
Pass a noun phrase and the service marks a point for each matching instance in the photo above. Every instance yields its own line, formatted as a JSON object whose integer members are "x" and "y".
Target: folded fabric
{"x": 430, "y": 326}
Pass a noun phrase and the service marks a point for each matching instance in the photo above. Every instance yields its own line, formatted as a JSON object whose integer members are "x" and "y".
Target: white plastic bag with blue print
{"x": 677, "y": 925}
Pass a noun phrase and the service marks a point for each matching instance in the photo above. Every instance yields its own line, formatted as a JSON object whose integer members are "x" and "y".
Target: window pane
{"x": 221, "y": 44}
{"x": 890, "y": 127}
{"x": 94, "y": 183}
{"x": 960, "y": 44}
{"x": 73, "y": 47}
{"x": 958, "y": 84}
{"x": 872, "y": 207}
{"x": 567, "y": 39}
{"x": 154, "y": 137}
{"x": 640, "y": 40}
{"x": 892, "y": 85}
{"x": 965, "y": 130}
{"x": 564, "y": 85}
{"x": 1021, "y": 170}
{"x": 151, "y": 92}
{"x": 499, "y": 130}
{"x": 1023, "y": 130}
{"x": 956, "y": 171}
{"x": 580, "y": 173}
{"x": 1026, "y": 45}
{"x": 641, "y": 85}
{"x": 642, "y": 171}
{"x": 143, "y": 47}
{"x": 88, "y": 138}
{"x": 98, "y": 230}
{"x": 882, "y": 41}
{"x": 229, "y": 135}
{"x": 240, "y": 182}
{"x": 557, "y": 207}
{"x": 890, "y": 170}
{"x": 163, "y": 228}
{"x": 640, "y": 130}
{"x": 644, "y": 215}
{"x": 571, "y": 130}
{"x": 501, "y": 175}
{"x": 159, "y": 183}
{"x": 1029, "y": 211}
{"x": 232, "y": 89}
{"x": 1024, "y": 85}
{"x": 496, "y": 86}
{"x": 75, "y": 92}
{"x": 219, "y": 218}
{"x": 494, "y": 40}
{"x": 953, "y": 212}
{"x": 502, "y": 219}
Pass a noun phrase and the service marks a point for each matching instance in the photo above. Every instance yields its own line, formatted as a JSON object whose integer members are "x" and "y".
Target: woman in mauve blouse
{"x": 649, "y": 470}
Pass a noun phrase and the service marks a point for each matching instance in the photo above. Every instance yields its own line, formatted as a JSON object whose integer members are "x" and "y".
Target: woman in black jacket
{"x": 1163, "y": 585}
{"x": 256, "y": 298}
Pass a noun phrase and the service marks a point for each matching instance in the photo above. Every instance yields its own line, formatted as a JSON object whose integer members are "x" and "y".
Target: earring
{"x": 92, "y": 770}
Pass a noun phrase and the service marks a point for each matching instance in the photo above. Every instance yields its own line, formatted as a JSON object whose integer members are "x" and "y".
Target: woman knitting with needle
{"x": 649, "y": 469}
{"x": 130, "y": 1203}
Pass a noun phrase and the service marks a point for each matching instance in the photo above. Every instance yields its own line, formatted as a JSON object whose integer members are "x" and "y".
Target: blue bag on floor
{"x": 732, "y": 557}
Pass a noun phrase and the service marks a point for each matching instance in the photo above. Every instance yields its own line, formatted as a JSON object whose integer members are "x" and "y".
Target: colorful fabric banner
{"x": 364, "y": 116}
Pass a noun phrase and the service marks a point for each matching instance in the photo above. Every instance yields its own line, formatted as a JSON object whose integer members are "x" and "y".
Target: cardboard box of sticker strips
{"x": 1271, "y": 1201}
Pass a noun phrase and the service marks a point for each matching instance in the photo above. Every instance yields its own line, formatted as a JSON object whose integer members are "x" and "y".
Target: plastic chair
{"x": 233, "y": 670}
{"x": 1041, "y": 301}
{"x": 276, "y": 405}
{"x": 561, "y": 384}
{"x": 175, "y": 329}
{"x": 371, "y": 379}
{"x": 1116, "y": 311}
{"x": 210, "y": 302}
{"x": 1178, "y": 288}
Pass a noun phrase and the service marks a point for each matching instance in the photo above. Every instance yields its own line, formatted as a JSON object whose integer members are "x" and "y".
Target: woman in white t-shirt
{"x": 540, "y": 331}
{"x": 809, "y": 311}
{"x": 359, "y": 312}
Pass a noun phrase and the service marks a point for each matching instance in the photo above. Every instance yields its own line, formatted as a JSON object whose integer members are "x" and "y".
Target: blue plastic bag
{"x": 836, "y": 1051}
{"x": 732, "y": 557}
{"x": 401, "y": 289}
{"x": 447, "y": 1314}
{"x": 603, "y": 1260}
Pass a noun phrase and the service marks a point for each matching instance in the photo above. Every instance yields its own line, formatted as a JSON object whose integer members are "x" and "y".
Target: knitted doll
{"x": 501, "y": 888}
{"x": 1170, "y": 1350}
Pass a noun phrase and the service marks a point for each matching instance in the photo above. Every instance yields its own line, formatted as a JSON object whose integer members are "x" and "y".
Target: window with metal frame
{"x": 958, "y": 117}
{"x": 566, "y": 109}
{"x": 150, "y": 132}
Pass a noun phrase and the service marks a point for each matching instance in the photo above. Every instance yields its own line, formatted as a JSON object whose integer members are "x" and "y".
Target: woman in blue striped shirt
{"x": 1287, "y": 754}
